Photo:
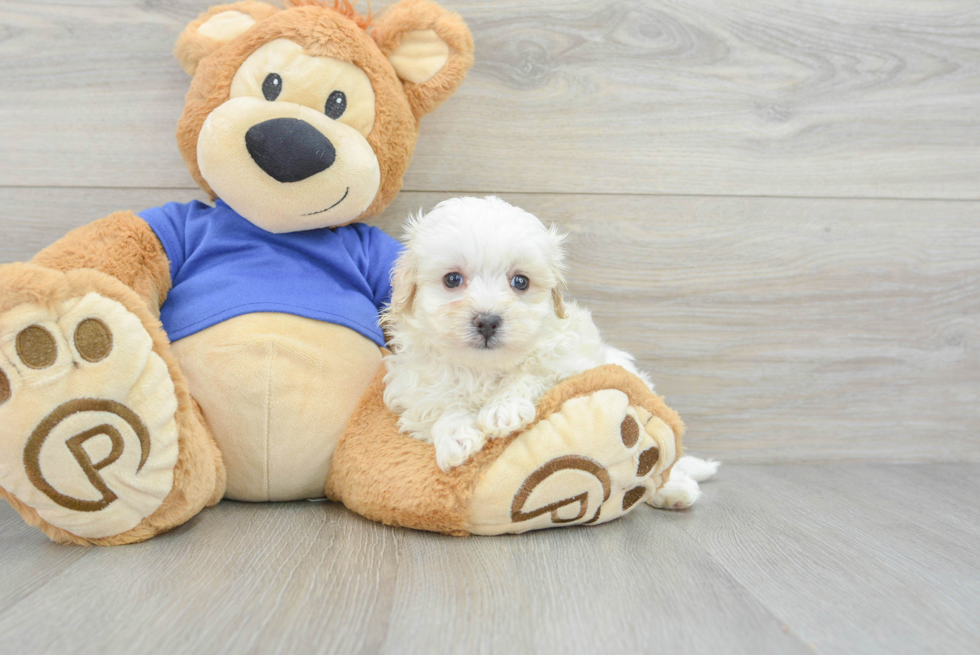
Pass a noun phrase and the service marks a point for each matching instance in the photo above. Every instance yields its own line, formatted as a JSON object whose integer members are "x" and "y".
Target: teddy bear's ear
{"x": 214, "y": 28}
{"x": 430, "y": 49}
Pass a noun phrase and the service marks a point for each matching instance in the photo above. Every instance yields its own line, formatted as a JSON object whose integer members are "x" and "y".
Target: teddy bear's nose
{"x": 289, "y": 149}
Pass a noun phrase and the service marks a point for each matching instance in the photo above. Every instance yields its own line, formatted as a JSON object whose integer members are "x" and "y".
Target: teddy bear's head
{"x": 307, "y": 116}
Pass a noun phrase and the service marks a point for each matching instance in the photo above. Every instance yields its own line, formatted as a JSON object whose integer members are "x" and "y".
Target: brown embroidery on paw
{"x": 4, "y": 388}
{"x": 648, "y": 459}
{"x": 93, "y": 340}
{"x": 630, "y": 431}
{"x": 632, "y": 497}
{"x": 32, "y": 452}
{"x": 36, "y": 347}
{"x": 568, "y": 462}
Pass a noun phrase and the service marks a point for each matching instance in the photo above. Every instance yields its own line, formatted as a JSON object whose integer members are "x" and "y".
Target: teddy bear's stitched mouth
{"x": 331, "y": 206}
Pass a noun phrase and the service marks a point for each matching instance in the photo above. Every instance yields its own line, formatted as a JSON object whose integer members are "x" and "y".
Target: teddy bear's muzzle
{"x": 289, "y": 149}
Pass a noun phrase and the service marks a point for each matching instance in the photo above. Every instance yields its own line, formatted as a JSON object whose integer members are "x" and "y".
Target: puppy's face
{"x": 480, "y": 280}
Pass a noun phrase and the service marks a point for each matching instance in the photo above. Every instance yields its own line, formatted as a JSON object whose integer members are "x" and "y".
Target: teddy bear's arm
{"x": 121, "y": 245}
{"x": 82, "y": 344}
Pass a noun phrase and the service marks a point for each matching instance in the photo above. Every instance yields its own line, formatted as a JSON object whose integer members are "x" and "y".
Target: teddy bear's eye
{"x": 336, "y": 105}
{"x": 272, "y": 86}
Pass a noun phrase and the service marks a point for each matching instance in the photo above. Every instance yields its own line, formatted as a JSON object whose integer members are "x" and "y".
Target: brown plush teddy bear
{"x": 153, "y": 364}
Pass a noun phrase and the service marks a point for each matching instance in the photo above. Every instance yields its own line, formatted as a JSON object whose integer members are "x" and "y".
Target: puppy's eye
{"x": 336, "y": 105}
{"x": 520, "y": 282}
{"x": 452, "y": 280}
{"x": 272, "y": 86}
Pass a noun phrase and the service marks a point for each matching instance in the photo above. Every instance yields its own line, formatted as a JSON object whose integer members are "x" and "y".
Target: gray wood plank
{"x": 301, "y": 577}
{"x": 316, "y": 579}
{"x": 632, "y": 586}
{"x": 778, "y": 558}
{"x": 781, "y": 329}
{"x": 28, "y": 562}
{"x": 850, "y": 571}
{"x": 739, "y": 97}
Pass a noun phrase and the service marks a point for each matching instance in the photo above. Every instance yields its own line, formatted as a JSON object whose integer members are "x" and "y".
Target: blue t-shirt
{"x": 223, "y": 266}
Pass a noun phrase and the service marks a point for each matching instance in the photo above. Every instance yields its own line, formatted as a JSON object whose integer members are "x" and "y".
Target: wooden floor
{"x": 833, "y": 558}
{"x": 775, "y": 205}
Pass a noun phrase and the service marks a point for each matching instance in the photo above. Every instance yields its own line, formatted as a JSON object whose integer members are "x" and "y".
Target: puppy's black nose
{"x": 288, "y": 149}
{"x": 487, "y": 324}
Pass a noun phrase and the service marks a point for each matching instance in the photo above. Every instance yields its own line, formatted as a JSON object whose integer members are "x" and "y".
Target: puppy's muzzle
{"x": 487, "y": 325}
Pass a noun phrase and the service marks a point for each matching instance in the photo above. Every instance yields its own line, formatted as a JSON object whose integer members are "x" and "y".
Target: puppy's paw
{"x": 680, "y": 492}
{"x": 455, "y": 443}
{"x": 501, "y": 417}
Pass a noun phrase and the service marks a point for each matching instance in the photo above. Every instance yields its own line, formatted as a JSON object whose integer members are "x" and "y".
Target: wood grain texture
{"x": 738, "y": 97}
{"x": 780, "y": 329}
{"x": 844, "y": 558}
{"x": 783, "y": 329}
{"x": 636, "y": 588}
{"x": 296, "y": 578}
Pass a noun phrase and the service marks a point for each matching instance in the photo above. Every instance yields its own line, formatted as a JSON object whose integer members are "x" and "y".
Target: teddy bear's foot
{"x": 589, "y": 463}
{"x": 89, "y": 415}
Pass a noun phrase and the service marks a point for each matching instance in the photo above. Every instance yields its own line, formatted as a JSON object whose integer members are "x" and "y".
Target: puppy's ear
{"x": 559, "y": 302}
{"x": 404, "y": 285}
{"x": 430, "y": 49}
{"x": 556, "y": 237}
{"x": 216, "y": 27}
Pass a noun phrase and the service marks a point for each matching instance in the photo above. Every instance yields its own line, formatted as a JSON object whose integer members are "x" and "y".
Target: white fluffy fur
{"x": 449, "y": 385}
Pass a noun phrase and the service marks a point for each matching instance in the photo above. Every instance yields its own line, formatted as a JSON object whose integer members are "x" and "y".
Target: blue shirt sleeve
{"x": 169, "y": 223}
{"x": 382, "y": 251}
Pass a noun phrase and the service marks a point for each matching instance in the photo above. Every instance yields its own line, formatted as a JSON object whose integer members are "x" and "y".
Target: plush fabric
{"x": 198, "y": 475}
{"x": 411, "y": 491}
{"x": 277, "y": 391}
{"x": 222, "y": 266}
{"x": 121, "y": 245}
{"x": 419, "y": 56}
{"x": 412, "y": 17}
{"x": 395, "y": 127}
{"x": 111, "y": 434}
{"x": 193, "y": 45}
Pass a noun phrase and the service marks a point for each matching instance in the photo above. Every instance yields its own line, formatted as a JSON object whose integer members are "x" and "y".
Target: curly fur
{"x": 452, "y": 385}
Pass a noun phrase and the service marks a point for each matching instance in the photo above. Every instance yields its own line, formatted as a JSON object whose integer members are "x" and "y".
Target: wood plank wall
{"x": 774, "y": 205}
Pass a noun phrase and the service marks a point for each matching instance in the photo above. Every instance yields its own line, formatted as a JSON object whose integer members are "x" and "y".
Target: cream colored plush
{"x": 588, "y": 429}
{"x": 276, "y": 391}
{"x": 420, "y": 55}
{"x": 273, "y": 406}
{"x": 226, "y": 25}
{"x": 130, "y": 376}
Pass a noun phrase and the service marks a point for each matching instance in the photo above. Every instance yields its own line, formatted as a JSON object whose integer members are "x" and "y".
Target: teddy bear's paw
{"x": 88, "y": 435}
{"x": 590, "y": 462}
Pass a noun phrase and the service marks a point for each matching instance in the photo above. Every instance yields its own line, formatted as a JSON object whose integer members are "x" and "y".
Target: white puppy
{"x": 479, "y": 330}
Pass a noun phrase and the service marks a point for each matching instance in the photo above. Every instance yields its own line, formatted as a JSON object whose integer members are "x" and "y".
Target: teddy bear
{"x": 155, "y": 363}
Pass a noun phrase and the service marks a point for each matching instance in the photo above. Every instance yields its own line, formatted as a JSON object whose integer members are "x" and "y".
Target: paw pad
{"x": 629, "y": 430}
{"x": 648, "y": 459}
{"x": 633, "y": 496}
{"x": 590, "y": 462}
{"x": 36, "y": 347}
{"x": 32, "y": 452}
{"x": 4, "y": 388}
{"x": 93, "y": 339}
{"x": 88, "y": 432}
{"x": 570, "y": 462}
